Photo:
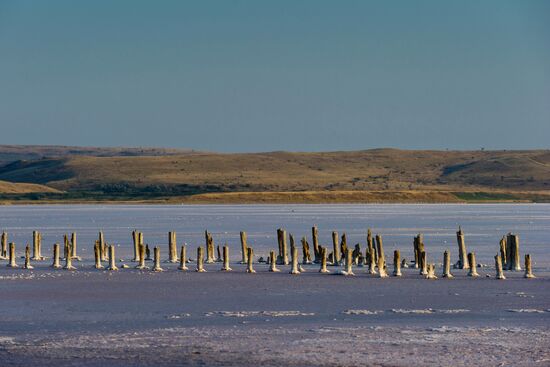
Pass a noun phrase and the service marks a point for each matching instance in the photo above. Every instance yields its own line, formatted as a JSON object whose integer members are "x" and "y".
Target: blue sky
{"x": 298, "y": 75}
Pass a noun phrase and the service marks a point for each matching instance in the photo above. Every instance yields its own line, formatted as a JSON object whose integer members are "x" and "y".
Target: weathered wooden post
{"x": 97, "y": 255}
{"x": 200, "y": 260}
{"x": 430, "y": 274}
{"x": 372, "y": 261}
{"x": 73, "y": 247}
{"x": 356, "y": 254}
{"x": 147, "y": 253}
{"x": 418, "y": 244}
{"x": 226, "y": 258}
{"x": 172, "y": 247}
{"x": 273, "y": 262}
{"x": 219, "y": 258}
{"x": 472, "y": 264}
{"x": 396, "y": 263}
{"x": 335, "y": 249}
{"x": 66, "y": 247}
{"x": 513, "y": 240}
{"x": 112, "y": 260}
{"x": 37, "y": 256}
{"x": 382, "y": 268}
{"x": 244, "y": 247}
{"x": 502, "y": 245}
{"x": 423, "y": 264}
{"x": 27, "y": 264}
{"x": 102, "y": 247}
{"x": 349, "y": 258}
{"x": 528, "y": 269}
{"x": 250, "y": 258}
{"x": 183, "y": 258}
{"x": 156, "y": 257}
{"x": 371, "y": 247}
{"x": 447, "y": 265}
{"x": 343, "y": 246}
{"x": 209, "y": 248}
{"x": 4, "y": 249}
{"x": 380, "y": 249}
{"x": 323, "y": 255}
{"x": 498, "y": 267}
{"x": 56, "y": 264}
{"x": 12, "y": 263}
{"x": 282, "y": 258}
{"x": 294, "y": 253}
{"x": 306, "y": 256}
{"x": 462, "y": 262}
{"x": 315, "y": 240}
{"x": 69, "y": 258}
{"x": 141, "y": 264}
{"x": 135, "y": 240}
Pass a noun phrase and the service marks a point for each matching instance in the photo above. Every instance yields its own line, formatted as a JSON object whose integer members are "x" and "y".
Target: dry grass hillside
{"x": 382, "y": 170}
{"x": 24, "y": 188}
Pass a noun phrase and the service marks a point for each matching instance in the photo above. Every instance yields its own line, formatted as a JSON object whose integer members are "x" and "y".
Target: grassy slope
{"x": 24, "y": 188}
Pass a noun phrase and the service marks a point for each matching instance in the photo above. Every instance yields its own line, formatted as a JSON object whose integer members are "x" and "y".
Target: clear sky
{"x": 261, "y": 75}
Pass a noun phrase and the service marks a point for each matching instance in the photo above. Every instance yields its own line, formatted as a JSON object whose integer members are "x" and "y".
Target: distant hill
{"x": 154, "y": 173}
{"x": 24, "y": 188}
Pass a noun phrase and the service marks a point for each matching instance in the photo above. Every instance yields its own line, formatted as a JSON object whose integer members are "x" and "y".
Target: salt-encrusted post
{"x": 73, "y": 247}
{"x": 323, "y": 255}
{"x": 514, "y": 252}
{"x": 200, "y": 260}
{"x": 315, "y": 240}
{"x": 244, "y": 247}
{"x": 344, "y": 246}
{"x": 528, "y": 269}
{"x": 430, "y": 274}
{"x": 273, "y": 262}
{"x": 502, "y": 245}
{"x": 472, "y": 264}
{"x": 4, "y": 249}
{"x": 136, "y": 241}
{"x": 335, "y": 249}
{"x": 141, "y": 265}
{"x": 498, "y": 267}
{"x": 112, "y": 260}
{"x": 396, "y": 263}
{"x": 349, "y": 258}
{"x": 172, "y": 247}
{"x": 282, "y": 258}
{"x": 66, "y": 247}
{"x": 380, "y": 249}
{"x": 226, "y": 259}
{"x": 56, "y": 264}
{"x": 418, "y": 244}
{"x": 37, "y": 256}
{"x": 102, "y": 248}
{"x": 371, "y": 247}
{"x": 372, "y": 261}
{"x": 294, "y": 253}
{"x": 462, "y": 262}
{"x": 156, "y": 256}
{"x": 306, "y": 256}
{"x": 183, "y": 258}
{"x": 97, "y": 255}
{"x": 219, "y": 259}
{"x": 147, "y": 253}
{"x": 250, "y": 258}
{"x": 382, "y": 268}
{"x": 12, "y": 263}
{"x": 209, "y": 247}
{"x": 69, "y": 258}
{"x": 423, "y": 264}
{"x": 447, "y": 265}
{"x": 27, "y": 264}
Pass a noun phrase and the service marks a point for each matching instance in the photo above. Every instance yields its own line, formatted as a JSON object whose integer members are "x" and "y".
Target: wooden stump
{"x": 156, "y": 258}
{"x": 380, "y": 249}
{"x": 372, "y": 261}
{"x": 56, "y": 264}
{"x": 36, "y": 246}
{"x": 447, "y": 265}
{"x": 396, "y": 263}
{"x": 502, "y": 245}
{"x": 430, "y": 274}
{"x": 209, "y": 248}
{"x": 200, "y": 260}
{"x": 315, "y": 240}
{"x": 69, "y": 257}
{"x": 382, "y": 268}
{"x": 472, "y": 264}
{"x": 349, "y": 257}
{"x": 97, "y": 255}
{"x": 226, "y": 258}
{"x": 103, "y": 247}
{"x": 12, "y": 263}
{"x": 514, "y": 252}
{"x": 112, "y": 259}
{"x": 273, "y": 262}
{"x": 244, "y": 247}
{"x": 323, "y": 258}
{"x": 423, "y": 264}
{"x": 306, "y": 256}
{"x": 250, "y": 261}
{"x": 135, "y": 240}
{"x": 418, "y": 245}
{"x": 147, "y": 253}
{"x": 141, "y": 264}
{"x": 183, "y": 258}
{"x": 282, "y": 258}
{"x": 462, "y": 262}
{"x": 528, "y": 269}
{"x": 498, "y": 267}
{"x": 4, "y": 247}
{"x": 335, "y": 249}
{"x": 27, "y": 264}
{"x": 172, "y": 247}
{"x": 294, "y": 252}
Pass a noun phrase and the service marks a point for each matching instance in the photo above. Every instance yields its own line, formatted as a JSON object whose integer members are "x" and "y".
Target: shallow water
{"x": 483, "y": 224}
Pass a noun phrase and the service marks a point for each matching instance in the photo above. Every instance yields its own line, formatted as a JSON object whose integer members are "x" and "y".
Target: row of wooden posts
{"x": 508, "y": 257}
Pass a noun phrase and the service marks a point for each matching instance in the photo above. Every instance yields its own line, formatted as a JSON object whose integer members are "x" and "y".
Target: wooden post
{"x": 502, "y": 245}
{"x": 12, "y": 263}
{"x": 447, "y": 265}
{"x": 423, "y": 264}
{"x": 103, "y": 247}
{"x": 380, "y": 249}
{"x": 335, "y": 249}
{"x": 498, "y": 267}
{"x": 112, "y": 260}
{"x": 371, "y": 247}
{"x": 147, "y": 253}
{"x": 73, "y": 247}
{"x": 514, "y": 256}
{"x": 315, "y": 240}
{"x": 36, "y": 246}
{"x": 323, "y": 255}
{"x": 219, "y": 259}
{"x": 4, "y": 248}
{"x": 69, "y": 257}
{"x": 56, "y": 264}
{"x": 97, "y": 255}
{"x": 156, "y": 257}
{"x": 226, "y": 258}
{"x": 418, "y": 244}
{"x": 200, "y": 260}
{"x": 528, "y": 269}
{"x": 183, "y": 258}
{"x": 430, "y": 274}
{"x": 343, "y": 247}
{"x": 273, "y": 262}
{"x": 209, "y": 247}
{"x": 349, "y": 268}
{"x": 396, "y": 263}
{"x": 306, "y": 256}
{"x": 382, "y": 268}
{"x": 372, "y": 261}
{"x": 462, "y": 262}
{"x": 141, "y": 265}
{"x": 294, "y": 252}
{"x": 135, "y": 240}
{"x": 472, "y": 264}
{"x": 250, "y": 258}
{"x": 282, "y": 258}
{"x": 27, "y": 264}
{"x": 172, "y": 247}
{"x": 244, "y": 247}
